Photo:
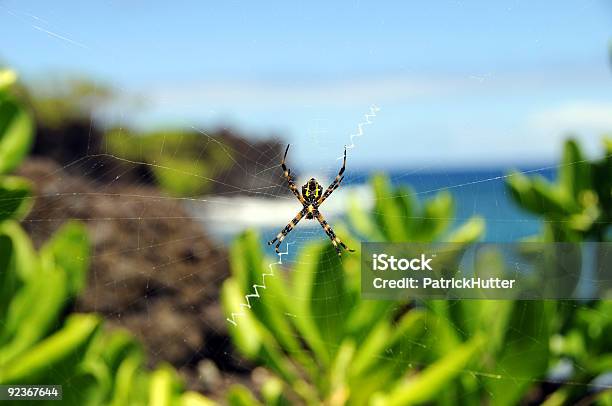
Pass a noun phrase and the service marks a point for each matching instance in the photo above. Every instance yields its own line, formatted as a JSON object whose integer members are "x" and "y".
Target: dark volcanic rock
{"x": 255, "y": 172}
{"x": 76, "y": 140}
{"x": 153, "y": 269}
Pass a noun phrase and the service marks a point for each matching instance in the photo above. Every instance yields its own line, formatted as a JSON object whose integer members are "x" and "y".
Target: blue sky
{"x": 458, "y": 83}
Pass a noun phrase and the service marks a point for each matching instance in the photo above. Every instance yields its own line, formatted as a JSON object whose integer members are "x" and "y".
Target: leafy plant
{"x": 183, "y": 163}
{"x": 57, "y": 99}
{"x": 16, "y": 128}
{"x": 399, "y": 217}
{"x": 578, "y": 206}
{"x": 325, "y": 344}
{"x": 38, "y": 345}
{"x": 328, "y": 345}
{"x": 323, "y": 341}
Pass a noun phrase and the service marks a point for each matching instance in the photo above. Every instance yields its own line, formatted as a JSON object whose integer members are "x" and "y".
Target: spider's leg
{"x": 336, "y": 183}
{"x": 287, "y": 175}
{"x": 281, "y": 236}
{"x": 332, "y": 236}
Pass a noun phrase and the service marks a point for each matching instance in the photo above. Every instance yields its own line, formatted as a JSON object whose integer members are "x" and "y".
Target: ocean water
{"x": 476, "y": 192}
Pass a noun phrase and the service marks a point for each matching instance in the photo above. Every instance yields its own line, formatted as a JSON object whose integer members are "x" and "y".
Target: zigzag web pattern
{"x": 247, "y": 299}
{"x": 368, "y": 116}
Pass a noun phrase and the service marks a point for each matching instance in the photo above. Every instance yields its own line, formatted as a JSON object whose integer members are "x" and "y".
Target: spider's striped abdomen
{"x": 311, "y": 191}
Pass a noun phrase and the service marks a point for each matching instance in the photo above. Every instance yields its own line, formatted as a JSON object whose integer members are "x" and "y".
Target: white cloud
{"x": 359, "y": 90}
{"x": 256, "y": 93}
{"x": 577, "y": 116}
{"x": 586, "y": 121}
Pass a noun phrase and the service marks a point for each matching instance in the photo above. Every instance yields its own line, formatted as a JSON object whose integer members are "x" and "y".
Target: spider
{"x": 311, "y": 198}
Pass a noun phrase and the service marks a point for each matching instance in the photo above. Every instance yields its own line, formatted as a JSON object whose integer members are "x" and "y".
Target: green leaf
{"x": 33, "y": 313}
{"x": 164, "y": 386}
{"x": 387, "y": 212}
{"x": 24, "y": 261}
{"x": 245, "y": 332}
{"x": 238, "y": 395}
{"x": 469, "y": 232}
{"x": 328, "y": 298}
{"x": 443, "y": 335}
{"x": 385, "y": 338}
{"x": 525, "y": 351}
{"x": 386, "y": 355}
{"x": 539, "y": 196}
{"x": 264, "y": 277}
{"x": 195, "y": 399}
{"x": 59, "y": 352}
{"x": 427, "y": 385}
{"x": 607, "y": 144}
{"x": 125, "y": 390}
{"x": 7, "y": 79}
{"x": 272, "y": 392}
{"x": 15, "y": 200}
{"x": 16, "y": 134}
{"x": 93, "y": 379}
{"x": 365, "y": 314}
{"x": 520, "y": 187}
{"x": 118, "y": 344}
{"x": 320, "y": 299}
{"x": 552, "y": 199}
{"x": 9, "y": 281}
{"x": 574, "y": 172}
{"x": 404, "y": 198}
{"x": 339, "y": 371}
{"x": 371, "y": 348}
{"x": 486, "y": 316}
{"x": 249, "y": 335}
{"x": 69, "y": 248}
{"x": 558, "y": 398}
{"x": 437, "y": 215}
{"x": 361, "y": 221}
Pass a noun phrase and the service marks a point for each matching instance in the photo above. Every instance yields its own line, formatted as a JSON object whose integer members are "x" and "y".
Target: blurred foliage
{"x": 578, "y": 206}
{"x": 38, "y": 343}
{"x": 57, "y": 100}
{"x": 585, "y": 347}
{"x": 398, "y": 216}
{"x": 325, "y": 344}
{"x": 7, "y": 79}
{"x": 184, "y": 163}
{"x": 16, "y": 128}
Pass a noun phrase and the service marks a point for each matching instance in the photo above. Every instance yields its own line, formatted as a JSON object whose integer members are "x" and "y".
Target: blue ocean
{"x": 476, "y": 192}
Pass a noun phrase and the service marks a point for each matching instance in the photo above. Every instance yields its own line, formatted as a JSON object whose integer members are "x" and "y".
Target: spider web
{"x": 268, "y": 210}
